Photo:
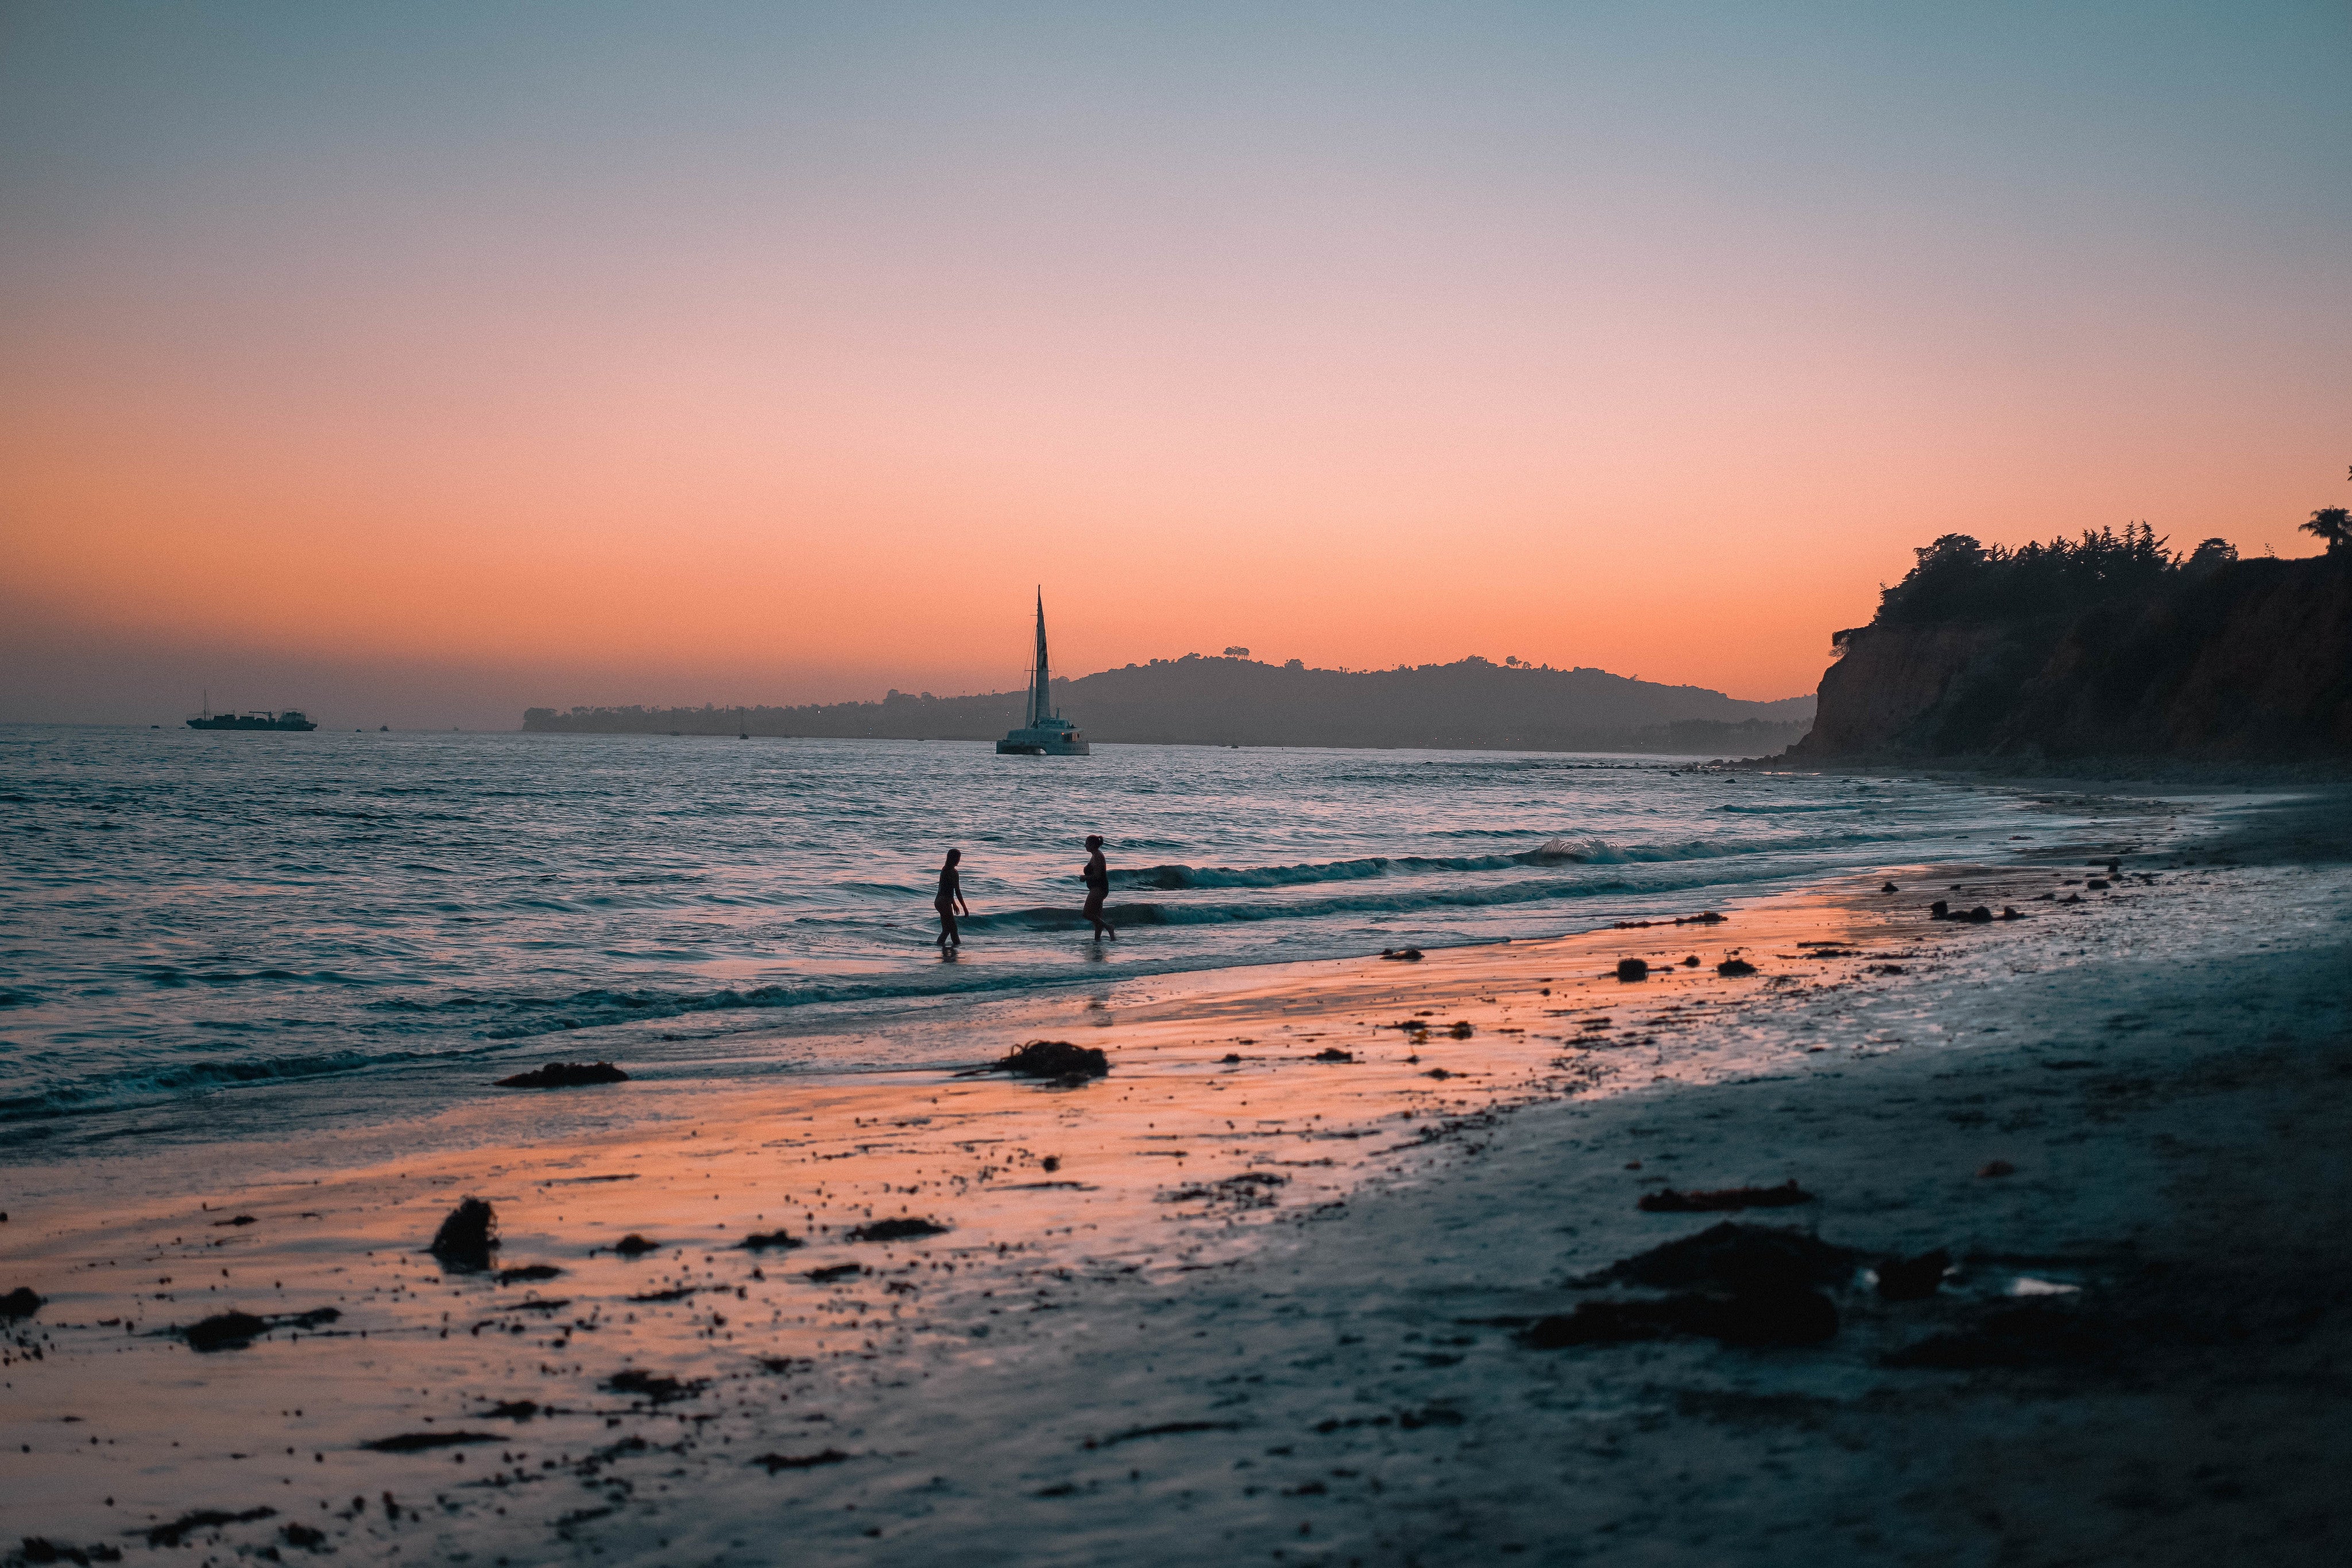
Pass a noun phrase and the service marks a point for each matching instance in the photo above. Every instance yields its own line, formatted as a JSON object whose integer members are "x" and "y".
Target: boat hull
{"x": 1011, "y": 747}
{"x": 1044, "y": 741}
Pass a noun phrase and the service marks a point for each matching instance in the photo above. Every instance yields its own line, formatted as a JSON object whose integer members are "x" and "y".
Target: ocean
{"x": 199, "y": 930}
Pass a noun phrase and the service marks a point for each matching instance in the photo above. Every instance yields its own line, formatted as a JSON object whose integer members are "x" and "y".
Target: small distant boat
{"x": 1042, "y": 732}
{"x": 292, "y": 718}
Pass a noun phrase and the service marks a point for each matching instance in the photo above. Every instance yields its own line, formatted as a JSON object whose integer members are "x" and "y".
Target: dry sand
{"x": 1234, "y": 1302}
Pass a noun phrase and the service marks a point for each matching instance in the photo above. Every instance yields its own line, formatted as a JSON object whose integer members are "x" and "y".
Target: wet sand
{"x": 1259, "y": 1292}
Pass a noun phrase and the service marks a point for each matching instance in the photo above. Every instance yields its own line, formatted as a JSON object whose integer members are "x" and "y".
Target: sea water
{"x": 195, "y": 928}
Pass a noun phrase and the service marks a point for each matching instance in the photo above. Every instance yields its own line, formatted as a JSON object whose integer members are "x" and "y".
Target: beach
{"x": 1266, "y": 1290}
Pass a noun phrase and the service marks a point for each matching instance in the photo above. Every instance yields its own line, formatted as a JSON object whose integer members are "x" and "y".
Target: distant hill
{"x": 1232, "y": 701}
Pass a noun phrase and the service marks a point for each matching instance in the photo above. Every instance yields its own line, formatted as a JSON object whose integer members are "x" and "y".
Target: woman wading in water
{"x": 1097, "y": 876}
{"x": 950, "y": 895}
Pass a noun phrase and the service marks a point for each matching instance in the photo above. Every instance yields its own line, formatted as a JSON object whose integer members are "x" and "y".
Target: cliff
{"x": 1224, "y": 701}
{"x": 2238, "y": 661}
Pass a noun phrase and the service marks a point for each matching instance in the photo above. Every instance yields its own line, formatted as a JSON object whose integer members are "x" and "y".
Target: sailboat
{"x": 1042, "y": 732}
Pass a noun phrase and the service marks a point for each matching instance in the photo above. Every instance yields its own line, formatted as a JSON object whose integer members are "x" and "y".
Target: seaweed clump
{"x": 1055, "y": 1059}
{"x": 467, "y": 1236}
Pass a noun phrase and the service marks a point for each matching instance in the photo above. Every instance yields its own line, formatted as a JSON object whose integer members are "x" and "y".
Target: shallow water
{"x": 188, "y": 915}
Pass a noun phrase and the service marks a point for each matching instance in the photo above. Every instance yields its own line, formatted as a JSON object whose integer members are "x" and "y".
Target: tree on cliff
{"x": 1959, "y": 579}
{"x": 2333, "y": 525}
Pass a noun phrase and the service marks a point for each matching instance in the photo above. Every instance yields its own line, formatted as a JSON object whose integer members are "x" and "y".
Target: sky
{"x": 417, "y": 363}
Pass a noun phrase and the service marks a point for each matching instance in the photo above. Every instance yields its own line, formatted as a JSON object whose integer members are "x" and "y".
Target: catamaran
{"x": 1042, "y": 732}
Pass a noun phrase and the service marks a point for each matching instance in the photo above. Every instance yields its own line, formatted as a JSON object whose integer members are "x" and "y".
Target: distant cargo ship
{"x": 1042, "y": 732}
{"x": 292, "y": 718}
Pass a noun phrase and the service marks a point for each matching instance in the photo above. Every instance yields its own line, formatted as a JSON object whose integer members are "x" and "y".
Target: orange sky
{"x": 742, "y": 364}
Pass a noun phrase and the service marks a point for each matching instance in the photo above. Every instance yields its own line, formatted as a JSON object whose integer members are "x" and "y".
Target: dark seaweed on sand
{"x": 636, "y": 1246}
{"x": 565, "y": 1075}
{"x": 187, "y": 1524}
{"x": 760, "y": 1240}
{"x": 1055, "y": 1059}
{"x": 417, "y": 1442}
{"x": 775, "y": 1462}
{"x": 1734, "y": 1257}
{"x": 467, "y": 1236}
{"x": 898, "y": 1229}
{"x": 1669, "y": 1201}
{"x": 224, "y": 1330}
{"x": 236, "y": 1330}
{"x": 528, "y": 1272}
{"x": 1748, "y": 1285}
{"x": 40, "y": 1549}
{"x": 20, "y": 1303}
{"x": 653, "y": 1388}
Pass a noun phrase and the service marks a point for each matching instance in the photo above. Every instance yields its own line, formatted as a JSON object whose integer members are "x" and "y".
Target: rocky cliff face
{"x": 2253, "y": 660}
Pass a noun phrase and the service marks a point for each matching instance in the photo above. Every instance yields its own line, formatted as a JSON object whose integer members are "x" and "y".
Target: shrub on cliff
{"x": 1958, "y": 579}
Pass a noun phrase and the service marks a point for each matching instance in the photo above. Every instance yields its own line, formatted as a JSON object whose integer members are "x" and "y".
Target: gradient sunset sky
{"x": 415, "y": 362}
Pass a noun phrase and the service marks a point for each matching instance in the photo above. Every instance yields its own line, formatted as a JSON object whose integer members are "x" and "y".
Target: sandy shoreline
{"x": 1256, "y": 1308}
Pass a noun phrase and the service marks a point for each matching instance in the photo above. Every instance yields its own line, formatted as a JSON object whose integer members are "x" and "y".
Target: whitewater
{"x": 201, "y": 932}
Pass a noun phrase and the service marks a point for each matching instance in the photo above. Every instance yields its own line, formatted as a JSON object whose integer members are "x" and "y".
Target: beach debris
{"x": 1735, "y": 967}
{"x": 565, "y": 1075}
{"x": 1747, "y": 1285}
{"x": 760, "y": 1240}
{"x": 187, "y": 1524}
{"x": 240, "y": 1220}
{"x": 827, "y": 1275}
{"x": 775, "y": 1462}
{"x": 1691, "y": 962}
{"x": 303, "y": 1536}
{"x": 896, "y": 1230}
{"x": 514, "y": 1410}
{"x": 2044, "y": 1332}
{"x": 41, "y": 1548}
{"x": 653, "y": 1388}
{"x": 417, "y": 1442}
{"x": 1461, "y": 1030}
{"x": 1669, "y": 1201}
{"x": 467, "y": 1236}
{"x": 20, "y": 1303}
{"x": 1402, "y": 955}
{"x": 2098, "y": 884}
{"x": 1333, "y": 1053}
{"x": 1889, "y": 888}
{"x": 1939, "y": 910}
{"x": 2009, "y": 912}
{"x": 1055, "y": 1059}
{"x": 1752, "y": 1320}
{"x": 1230, "y": 1058}
{"x": 675, "y": 1293}
{"x": 1913, "y": 1278}
{"x": 1633, "y": 969}
{"x": 636, "y": 1246}
{"x": 1051, "y": 1163}
{"x": 1995, "y": 1168}
{"x": 1437, "y": 1073}
{"x": 528, "y": 1272}
{"x": 1730, "y": 1255}
{"x": 224, "y": 1330}
{"x": 1164, "y": 1429}
{"x": 1251, "y": 1190}
{"x": 236, "y": 1330}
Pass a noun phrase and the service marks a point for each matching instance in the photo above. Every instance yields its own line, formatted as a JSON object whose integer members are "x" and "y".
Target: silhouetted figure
{"x": 1097, "y": 876}
{"x": 950, "y": 895}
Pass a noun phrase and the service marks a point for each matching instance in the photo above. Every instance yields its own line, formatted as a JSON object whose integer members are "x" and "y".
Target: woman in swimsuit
{"x": 950, "y": 895}
{"x": 1097, "y": 876}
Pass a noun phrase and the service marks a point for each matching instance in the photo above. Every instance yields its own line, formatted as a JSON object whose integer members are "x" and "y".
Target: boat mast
{"x": 1040, "y": 681}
